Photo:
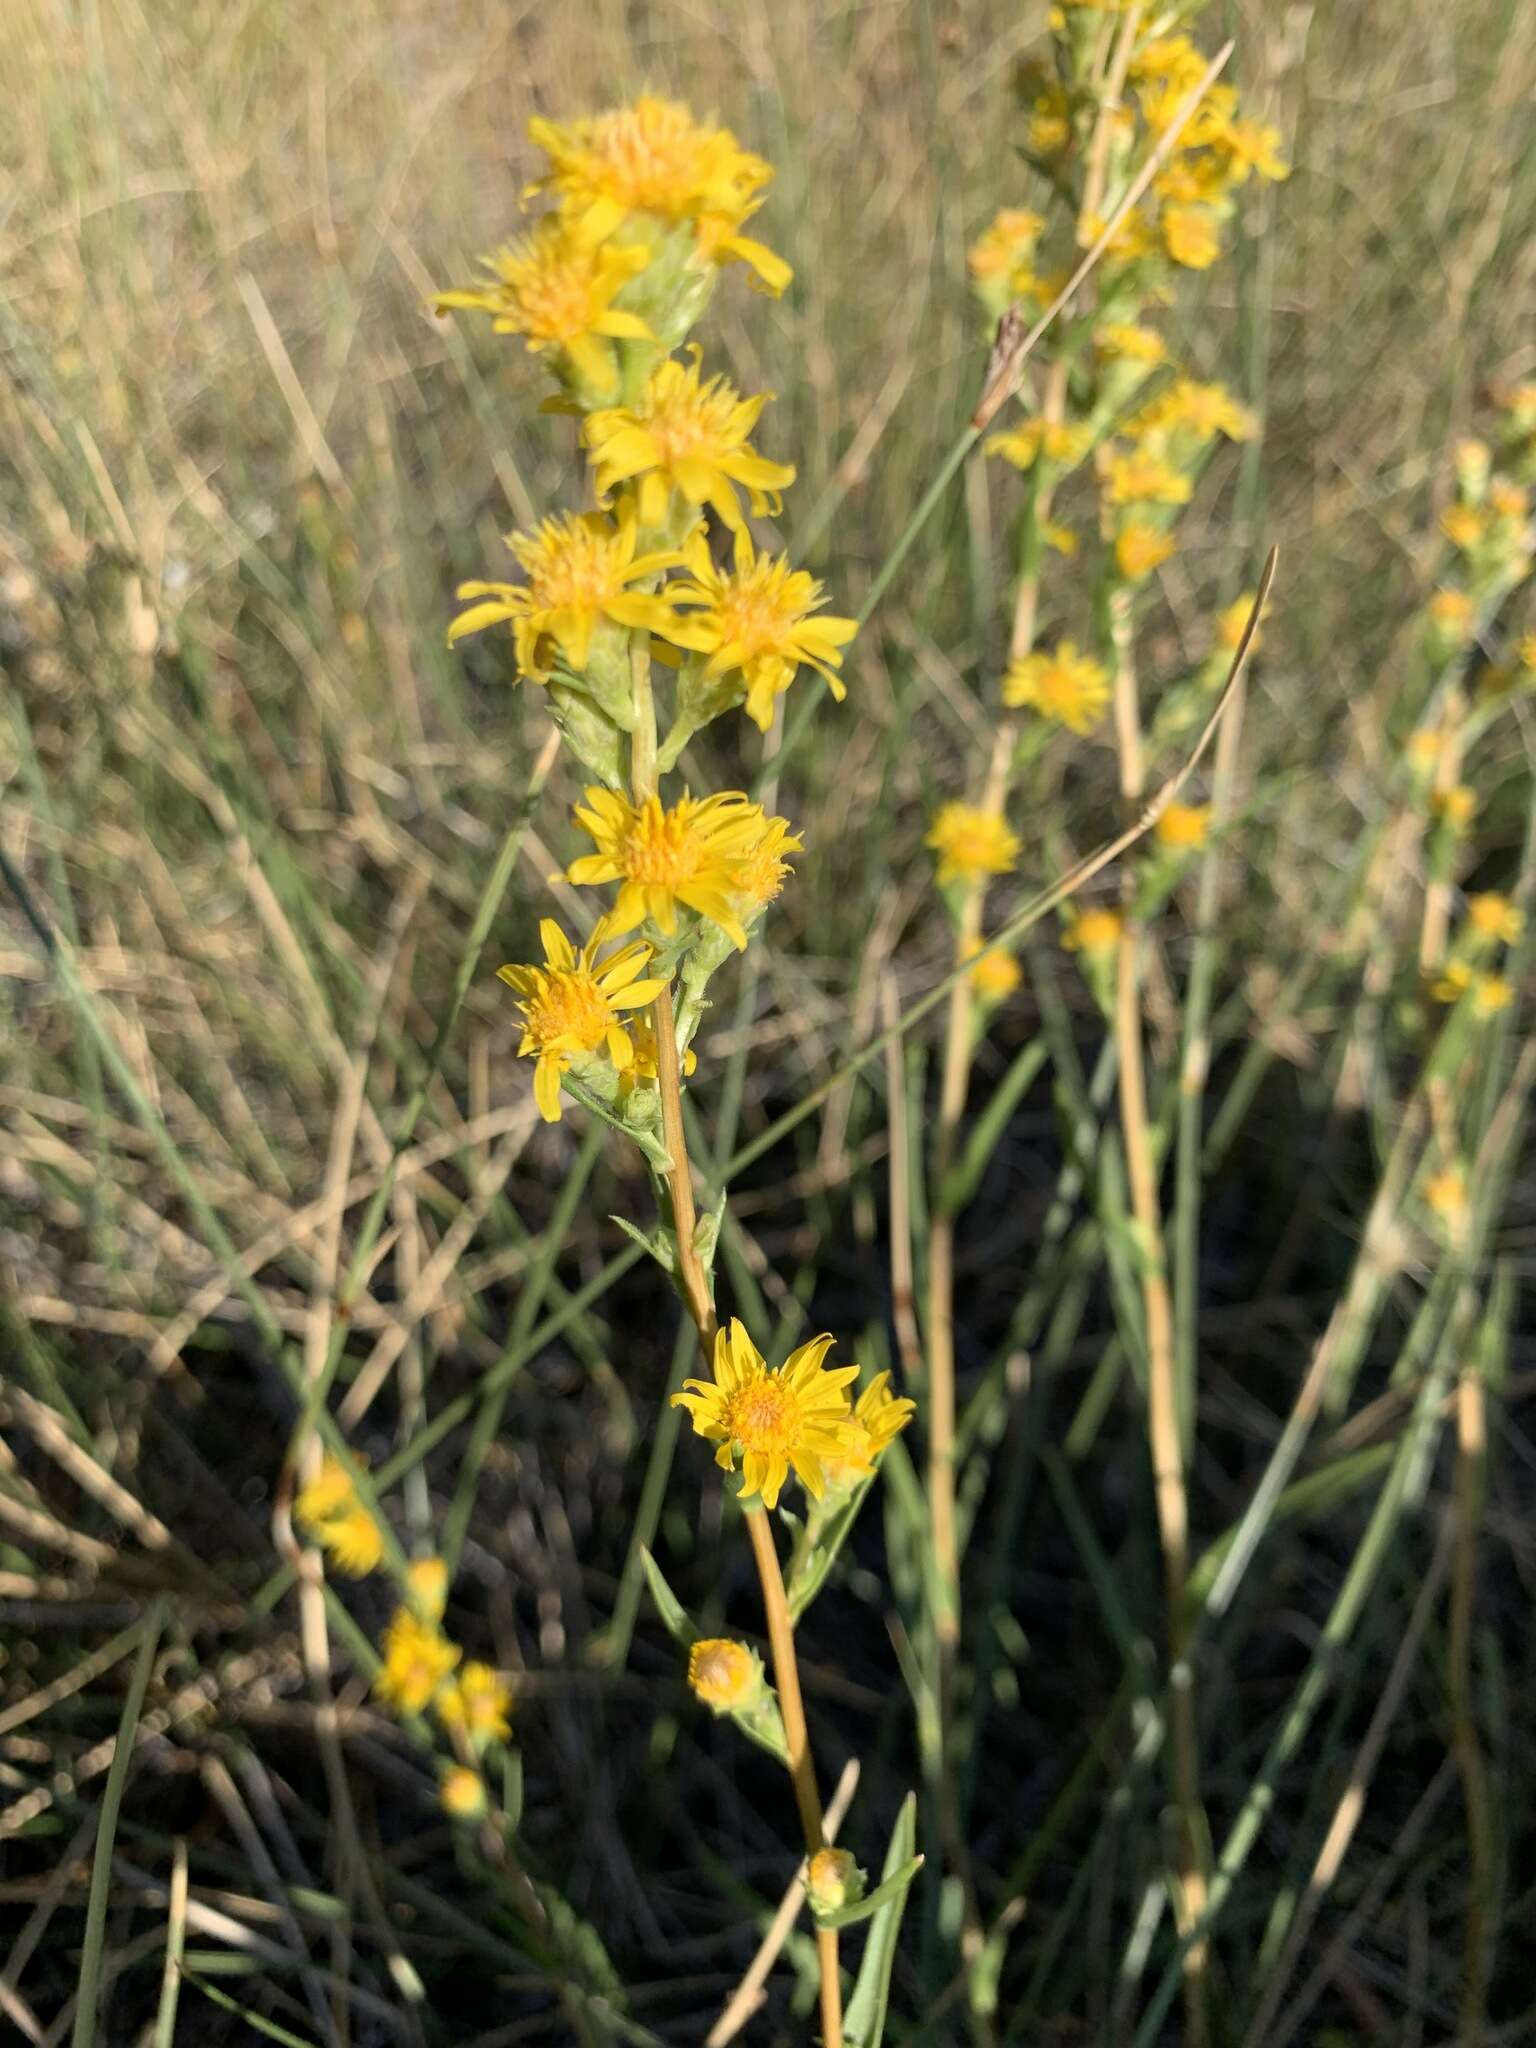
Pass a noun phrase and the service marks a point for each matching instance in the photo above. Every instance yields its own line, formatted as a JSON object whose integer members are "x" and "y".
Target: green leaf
{"x": 817, "y": 1552}
{"x": 889, "y": 1888}
{"x": 864, "y": 2021}
{"x": 964, "y": 1177}
{"x": 512, "y": 1790}
{"x": 668, "y": 1606}
{"x": 1317, "y": 1494}
{"x": 658, "y": 1247}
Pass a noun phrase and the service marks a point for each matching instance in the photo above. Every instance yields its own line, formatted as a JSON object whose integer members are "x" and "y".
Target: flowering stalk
{"x": 1126, "y": 126}
{"x": 649, "y": 207}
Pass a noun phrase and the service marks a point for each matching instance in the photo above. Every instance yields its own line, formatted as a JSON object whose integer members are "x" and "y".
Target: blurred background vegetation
{"x": 241, "y": 470}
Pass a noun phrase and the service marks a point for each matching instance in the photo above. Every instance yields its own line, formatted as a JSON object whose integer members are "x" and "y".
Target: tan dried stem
{"x": 693, "y": 1285}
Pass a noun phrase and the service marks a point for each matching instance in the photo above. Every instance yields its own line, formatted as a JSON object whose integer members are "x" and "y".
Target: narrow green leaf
{"x": 668, "y": 1606}
{"x": 964, "y": 1177}
{"x": 864, "y": 2021}
{"x": 268, "y": 2027}
{"x": 890, "y": 1888}
{"x": 88, "y": 1989}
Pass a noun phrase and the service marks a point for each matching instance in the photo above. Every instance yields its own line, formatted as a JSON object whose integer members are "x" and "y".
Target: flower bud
{"x": 833, "y": 1880}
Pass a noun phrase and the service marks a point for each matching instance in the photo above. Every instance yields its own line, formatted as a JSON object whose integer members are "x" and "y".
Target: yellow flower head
{"x": 724, "y": 1674}
{"x": 833, "y": 1880}
{"x": 1490, "y": 994}
{"x": 1423, "y": 749}
{"x": 557, "y": 286}
{"x": 1492, "y": 916}
{"x": 1005, "y": 248}
{"x": 1231, "y": 622}
{"x": 1093, "y": 932}
{"x": 581, "y": 573}
{"x": 1140, "y": 478}
{"x": 644, "y": 1067}
{"x": 1250, "y": 146}
{"x": 427, "y": 1580}
{"x": 689, "y": 436}
{"x": 1130, "y": 343}
{"x": 879, "y": 1417}
{"x": 334, "y": 1517}
{"x": 1463, "y": 525}
{"x": 1191, "y": 235}
{"x": 761, "y": 875}
{"x": 792, "y": 1415}
{"x": 329, "y": 1493}
{"x": 655, "y": 160}
{"x": 1446, "y": 1194}
{"x": 477, "y": 1700}
{"x": 1065, "y": 685}
{"x": 1141, "y": 547}
{"x": 1508, "y": 500}
{"x": 1453, "y": 613}
{"x": 354, "y": 1541}
{"x": 1064, "y": 442}
{"x": 692, "y": 854}
{"x": 1456, "y": 806}
{"x": 462, "y": 1793}
{"x": 1525, "y": 652}
{"x": 417, "y": 1658}
{"x": 995, "y": 974}
{"x": 972, "y": 843}
{"x": 1168, "y": 60}
{"x": 571, "y": 1005}
{"x": 1132, "y": 239}
{"x": 756, "y": 617}
{"x": 1194, "y": 408}
{"x": 1050, "y": 121}
{"x": 1184, "y": 825}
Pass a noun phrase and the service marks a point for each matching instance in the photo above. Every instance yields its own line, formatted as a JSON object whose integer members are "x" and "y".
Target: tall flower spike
{"x": 692, "y": 854}
{"x": 687, "y": 435}
{"x": 581, "y": 572}
{"x": 756, "y": 617}
{"x": 557, "y": 286}
{"x": 571, "y": 1006}
{"x": 794, "y": 1415}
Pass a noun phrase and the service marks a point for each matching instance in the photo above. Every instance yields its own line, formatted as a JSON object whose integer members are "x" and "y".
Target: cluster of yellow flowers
{"x": 1492, "y": 542}
{"x": 663, "y": 585}
{"x": 1110, "y": 402}
{"x": 421, "y": 1667}
{"x": 649, "y": 205}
